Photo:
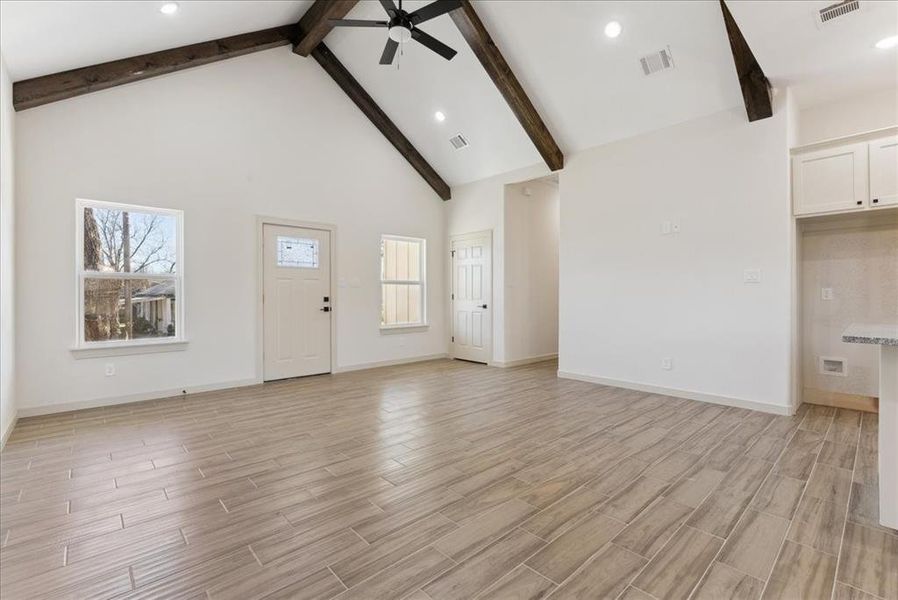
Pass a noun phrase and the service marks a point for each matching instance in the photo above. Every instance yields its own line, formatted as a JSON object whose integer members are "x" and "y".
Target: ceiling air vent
{"x": 834, "y": 11}
{"x": 458, "y": 142}
{"x": 656, "y": 62}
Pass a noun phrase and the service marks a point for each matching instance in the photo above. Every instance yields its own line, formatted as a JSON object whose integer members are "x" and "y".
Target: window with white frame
{"x": 402, "y": 282}
{"x": 130, "y": 274}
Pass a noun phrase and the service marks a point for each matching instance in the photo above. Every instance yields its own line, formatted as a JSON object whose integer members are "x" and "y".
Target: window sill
{"x": 396, "y": 329}
{"x": 124, "y": 349}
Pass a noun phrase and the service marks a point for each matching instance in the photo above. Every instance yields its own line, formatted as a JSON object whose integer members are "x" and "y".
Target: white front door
{"x": 296, "y": 302}
{"x": 472, "y": 296}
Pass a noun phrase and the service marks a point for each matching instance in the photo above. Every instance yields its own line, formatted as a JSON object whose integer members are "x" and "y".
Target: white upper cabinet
{"x": 884, "y": 171}
{"x": 830, "y": 180}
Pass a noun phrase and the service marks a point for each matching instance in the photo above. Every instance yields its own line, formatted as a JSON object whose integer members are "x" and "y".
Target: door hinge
{"x": 453, "y": 338}
{"x": 452, "y": 296}
{"x": 452, "y": 252}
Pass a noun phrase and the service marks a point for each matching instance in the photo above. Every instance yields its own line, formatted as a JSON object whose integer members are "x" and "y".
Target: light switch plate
{"x": 826, "y": 293}
{"x": 751, "y": 276}
{"x": 667, "y": 363}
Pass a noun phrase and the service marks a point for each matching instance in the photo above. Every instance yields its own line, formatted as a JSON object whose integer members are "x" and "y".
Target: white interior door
{"x": 472, "y": 297}
{"x": 296, "y": 302}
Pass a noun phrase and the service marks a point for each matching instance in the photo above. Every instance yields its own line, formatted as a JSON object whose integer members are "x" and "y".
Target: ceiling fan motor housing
{"x": 400, "y": 28}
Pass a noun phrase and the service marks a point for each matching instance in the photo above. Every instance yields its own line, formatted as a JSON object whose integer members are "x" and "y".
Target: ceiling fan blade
{"x": 433, "y": 43}
{"x": 389, "y": 6}
{"x": 389, "y": 52}
{"x": 433, "y": 10}
{"x": 357, "y": 23}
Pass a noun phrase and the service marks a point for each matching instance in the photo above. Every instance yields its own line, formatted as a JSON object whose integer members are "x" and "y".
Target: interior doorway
{"x": 531, "y": 238}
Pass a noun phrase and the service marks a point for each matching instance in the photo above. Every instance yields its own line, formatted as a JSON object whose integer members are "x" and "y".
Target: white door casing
{"x": 471, "y": 300}
{"x": 296, "y": 291}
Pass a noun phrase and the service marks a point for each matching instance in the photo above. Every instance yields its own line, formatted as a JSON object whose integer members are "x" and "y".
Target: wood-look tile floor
{"x": 443, "y": 480}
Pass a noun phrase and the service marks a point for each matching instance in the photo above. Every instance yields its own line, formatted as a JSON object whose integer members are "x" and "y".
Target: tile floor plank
{"x": 448, "y": 477}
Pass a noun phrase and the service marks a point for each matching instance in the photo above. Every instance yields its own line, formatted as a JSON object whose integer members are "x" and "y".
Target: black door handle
{"x": 483, "y": 306}
{"x": 326, "y": 309}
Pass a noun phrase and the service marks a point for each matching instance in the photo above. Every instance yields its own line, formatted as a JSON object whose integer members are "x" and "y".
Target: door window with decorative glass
{"x": 130, "y": 274}
{"x": 403, "y": 282}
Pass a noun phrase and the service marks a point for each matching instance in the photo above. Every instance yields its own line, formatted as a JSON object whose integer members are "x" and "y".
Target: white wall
{"x": 631, "y": 296}
{"x": 480, "y": 206}
{"x": 531, "y": 270}
{"x": 265, "y": 134}
{"x": 7, "y": 258}
{"x": 848, "y": 116}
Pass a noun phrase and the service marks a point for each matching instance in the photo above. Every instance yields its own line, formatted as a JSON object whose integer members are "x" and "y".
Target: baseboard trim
{"x": 678, "y": 393}
{"x": 840, "y": 400}
{"x": 523, "y": 361}
{"x": 8, "y": 432}
{"x": 389, "y": 363}
{"x": 36, "y": 411}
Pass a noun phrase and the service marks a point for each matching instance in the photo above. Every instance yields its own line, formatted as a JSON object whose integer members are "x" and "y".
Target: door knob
{"x": 483, "y": 306}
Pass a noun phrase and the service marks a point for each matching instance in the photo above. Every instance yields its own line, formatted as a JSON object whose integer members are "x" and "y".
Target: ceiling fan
{"x": 403, "y": 26}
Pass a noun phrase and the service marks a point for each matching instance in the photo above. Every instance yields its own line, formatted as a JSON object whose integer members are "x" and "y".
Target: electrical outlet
{"x": 826, "y": 293}
{"x": 110, "y": 369}
{"x": 751, "y": 276}
{"x": 675, "y": 227}
{"x": 667, "y": 363}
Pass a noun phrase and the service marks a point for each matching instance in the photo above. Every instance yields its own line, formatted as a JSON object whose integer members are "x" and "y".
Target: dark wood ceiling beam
{"x": 497, "y": 68}
{"x": 379, "y": 118}
{"x": 754, "y": 84}
{"x": 68, "y": 84}
{"x": 315, "y": 24}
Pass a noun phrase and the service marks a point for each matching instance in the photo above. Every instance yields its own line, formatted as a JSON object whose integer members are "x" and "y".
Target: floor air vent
{"x": 656, "y": 62}
{"x": 834, "y": 11}
{"x": 458, "y": 142}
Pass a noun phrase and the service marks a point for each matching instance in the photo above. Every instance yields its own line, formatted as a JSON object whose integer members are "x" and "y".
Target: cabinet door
{"x": 884, "y": 171}
{"x": 830, "y": 180}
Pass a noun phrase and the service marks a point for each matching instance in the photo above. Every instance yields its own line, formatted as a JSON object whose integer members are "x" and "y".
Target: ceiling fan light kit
{"x": 403, "y": 27}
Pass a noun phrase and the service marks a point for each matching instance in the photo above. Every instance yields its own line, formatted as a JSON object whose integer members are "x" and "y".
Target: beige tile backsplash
{"x": 860, "y": 264}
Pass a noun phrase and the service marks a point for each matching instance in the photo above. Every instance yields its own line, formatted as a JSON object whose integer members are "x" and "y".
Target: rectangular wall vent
{"x": 458, "y": 142}
{"x": 834, "y": 11}
{"x": 656, "y": 62}
{"x": 833, "y": 366}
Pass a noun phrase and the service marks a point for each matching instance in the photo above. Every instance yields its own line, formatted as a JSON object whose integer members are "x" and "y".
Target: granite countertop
{"x": 884, "y": 335}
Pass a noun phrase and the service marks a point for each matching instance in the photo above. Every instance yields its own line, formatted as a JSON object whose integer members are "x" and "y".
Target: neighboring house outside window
{"x": 403, "y": 282}
{"x": 130, "y": 275}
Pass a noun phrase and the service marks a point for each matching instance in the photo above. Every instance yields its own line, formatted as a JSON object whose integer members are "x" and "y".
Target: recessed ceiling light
{"x": 439, "y": 116}
{"x": 886, "y": 43}
{"x": 169, "y": 8}
{"x": 613, "y": 29}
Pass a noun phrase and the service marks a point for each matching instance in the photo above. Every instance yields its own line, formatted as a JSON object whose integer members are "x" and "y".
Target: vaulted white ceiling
{"x": 821, "y": 63}
{"x": 40, "y": 37}
{"x": 589, "y": 89}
